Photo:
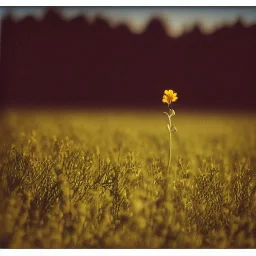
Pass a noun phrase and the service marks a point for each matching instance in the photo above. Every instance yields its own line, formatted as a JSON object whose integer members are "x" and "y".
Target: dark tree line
{"x": 55, "y": 62}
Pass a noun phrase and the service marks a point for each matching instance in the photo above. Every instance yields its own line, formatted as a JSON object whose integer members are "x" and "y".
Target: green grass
{"x": 99, "y": 180}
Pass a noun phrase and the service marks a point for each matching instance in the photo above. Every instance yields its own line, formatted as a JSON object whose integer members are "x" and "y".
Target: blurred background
{"x": 124, "y": 57}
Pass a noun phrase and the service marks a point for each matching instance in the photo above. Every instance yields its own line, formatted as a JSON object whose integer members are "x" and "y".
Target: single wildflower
{"x": 169, "y": 97}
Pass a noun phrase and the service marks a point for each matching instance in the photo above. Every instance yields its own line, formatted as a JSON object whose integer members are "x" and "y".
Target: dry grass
{"x": 98, "y": 179}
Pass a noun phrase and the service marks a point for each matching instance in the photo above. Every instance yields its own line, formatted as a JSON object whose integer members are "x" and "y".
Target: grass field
{"x": 99, "y": 179}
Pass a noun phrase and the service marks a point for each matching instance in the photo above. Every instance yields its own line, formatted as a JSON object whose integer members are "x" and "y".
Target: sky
{"x": 177, "y": 19}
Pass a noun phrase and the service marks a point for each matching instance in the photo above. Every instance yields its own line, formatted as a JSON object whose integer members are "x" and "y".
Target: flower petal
{"x": 165, "y": 100}
{"x": 174, "y": 99}
{"x": 170, "y": 92}
{"x": 166, "y": 92}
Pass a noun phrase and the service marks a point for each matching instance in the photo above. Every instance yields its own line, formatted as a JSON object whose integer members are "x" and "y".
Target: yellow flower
{"x": 169, "y": 96}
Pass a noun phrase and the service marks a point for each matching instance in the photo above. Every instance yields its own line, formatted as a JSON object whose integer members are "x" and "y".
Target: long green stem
{"x": 170, "y": 145}
{"x": 169, "y": 126}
